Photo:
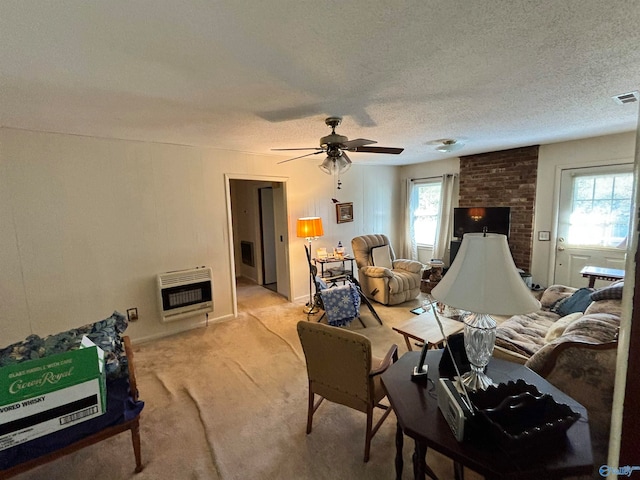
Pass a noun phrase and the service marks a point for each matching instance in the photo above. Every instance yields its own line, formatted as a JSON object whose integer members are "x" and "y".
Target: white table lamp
{"x": 483, "y": 280}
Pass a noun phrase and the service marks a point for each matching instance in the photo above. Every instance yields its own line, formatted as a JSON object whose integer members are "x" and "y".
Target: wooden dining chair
{"x": 341, "y": 369}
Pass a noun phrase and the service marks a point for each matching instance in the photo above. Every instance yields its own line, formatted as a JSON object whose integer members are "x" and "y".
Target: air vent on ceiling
{"x": 623, "y": 98}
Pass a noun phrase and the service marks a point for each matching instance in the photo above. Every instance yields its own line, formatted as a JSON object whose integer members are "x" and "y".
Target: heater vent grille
{"x": 185, "y": 293}
{"x": 630, "y": 97}
{"x": 184, "y": 276}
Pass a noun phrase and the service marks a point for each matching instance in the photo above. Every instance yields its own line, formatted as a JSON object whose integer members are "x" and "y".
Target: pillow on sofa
{"x": 612, "y": 292}
{"x": 595, "y": 328}
{"x": 578, "y": 302}
{"x": 613, "y": 307}
{"x": 559, "y": 326}
{"x": 381, "y": 256}
{"x": 555, "y": 293}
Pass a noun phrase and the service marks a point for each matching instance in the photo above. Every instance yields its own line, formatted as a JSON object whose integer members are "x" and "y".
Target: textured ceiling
{"x": 251, "y": 76}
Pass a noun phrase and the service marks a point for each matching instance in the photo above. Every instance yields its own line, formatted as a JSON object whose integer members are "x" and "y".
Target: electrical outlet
{"x": 132, "y": 314}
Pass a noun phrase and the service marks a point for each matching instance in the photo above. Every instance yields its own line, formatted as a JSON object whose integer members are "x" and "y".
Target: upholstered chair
{"x": 341, "y": 369}
{"x": 382, "y": 277}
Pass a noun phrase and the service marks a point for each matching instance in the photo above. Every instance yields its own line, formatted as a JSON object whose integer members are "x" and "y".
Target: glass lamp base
{"x": 479, "y": 339}
{"x": 474, "y": 380}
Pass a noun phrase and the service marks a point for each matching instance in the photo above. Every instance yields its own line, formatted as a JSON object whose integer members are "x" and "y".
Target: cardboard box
{"x": 43, "y": 396}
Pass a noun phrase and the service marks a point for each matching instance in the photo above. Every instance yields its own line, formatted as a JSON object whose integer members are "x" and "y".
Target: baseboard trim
{"x": 186, "y": 328}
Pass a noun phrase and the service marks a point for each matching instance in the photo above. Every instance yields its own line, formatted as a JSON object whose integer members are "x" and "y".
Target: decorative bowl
{"x": 519, "y": 417}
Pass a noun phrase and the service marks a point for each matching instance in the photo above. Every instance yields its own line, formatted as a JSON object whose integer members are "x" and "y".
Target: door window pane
{"x": 601, "y": 209}
{"x": 623, "y": 187}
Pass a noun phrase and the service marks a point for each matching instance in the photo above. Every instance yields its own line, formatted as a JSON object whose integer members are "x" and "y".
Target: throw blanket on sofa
{"x": 594, "y": 328}
{"x": 525, "y": 334}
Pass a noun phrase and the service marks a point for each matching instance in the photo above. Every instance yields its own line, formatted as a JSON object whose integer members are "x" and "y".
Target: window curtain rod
{"x": 434, "y": 178}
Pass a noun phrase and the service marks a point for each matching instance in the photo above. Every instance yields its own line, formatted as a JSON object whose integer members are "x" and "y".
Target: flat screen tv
{"x": 475, "y": 219}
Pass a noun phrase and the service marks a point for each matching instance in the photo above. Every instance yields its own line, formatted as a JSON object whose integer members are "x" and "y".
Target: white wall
{"x": 605, "y": 150}
{"x": 86, "y": 224}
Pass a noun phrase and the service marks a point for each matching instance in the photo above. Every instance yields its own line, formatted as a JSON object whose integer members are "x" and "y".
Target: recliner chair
{"x": 382, "y": 277}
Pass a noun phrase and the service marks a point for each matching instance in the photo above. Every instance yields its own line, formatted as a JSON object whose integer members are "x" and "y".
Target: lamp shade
{"x": 309, "y": 227}
{"x": 484, "y": 279}
{"x": 477, "y": 213}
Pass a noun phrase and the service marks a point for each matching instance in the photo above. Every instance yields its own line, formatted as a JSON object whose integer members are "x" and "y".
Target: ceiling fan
{"x": 336, "y": 146}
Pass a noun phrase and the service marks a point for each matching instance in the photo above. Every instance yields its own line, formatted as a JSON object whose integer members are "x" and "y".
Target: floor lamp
{"x": 311, "y": 229}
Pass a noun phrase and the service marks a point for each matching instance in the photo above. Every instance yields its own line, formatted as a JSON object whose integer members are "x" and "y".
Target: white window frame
{"x": 415, "y": 186}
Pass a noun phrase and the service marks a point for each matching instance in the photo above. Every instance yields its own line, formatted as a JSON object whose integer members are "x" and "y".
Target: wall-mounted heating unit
{"x": 185, "y": 293}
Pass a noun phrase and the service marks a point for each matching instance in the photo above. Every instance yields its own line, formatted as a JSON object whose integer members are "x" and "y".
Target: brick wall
{"x": 504, "y": 179}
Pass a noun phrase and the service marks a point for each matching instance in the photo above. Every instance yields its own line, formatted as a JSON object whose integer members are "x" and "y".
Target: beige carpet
{"x": 229, "y": 402}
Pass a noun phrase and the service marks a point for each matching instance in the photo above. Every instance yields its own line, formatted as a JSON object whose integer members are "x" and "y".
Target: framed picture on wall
{"x": 344, "y": 212}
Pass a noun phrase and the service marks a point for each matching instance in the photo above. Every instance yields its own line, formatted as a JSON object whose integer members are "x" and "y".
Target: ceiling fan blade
{"x": 344, "y": 155}
{"x": 358, "y": 142}
{"x": 303, "y": 148}
{"x": 391, "y": 150}
{"x": 301, "y": 156}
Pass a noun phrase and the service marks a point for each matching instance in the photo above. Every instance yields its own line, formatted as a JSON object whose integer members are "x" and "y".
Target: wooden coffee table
{"x": 424, "y": 328}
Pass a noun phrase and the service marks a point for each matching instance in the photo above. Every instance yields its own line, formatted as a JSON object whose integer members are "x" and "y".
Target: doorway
{"x": 258, "y": 229}
{"x": 268, "y": 239}
{"x": 594, "y": 215}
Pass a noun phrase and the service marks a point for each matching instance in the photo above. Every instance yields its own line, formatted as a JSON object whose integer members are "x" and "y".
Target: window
{"x": 601, "y": 210}
{"x": 425, "y": 208}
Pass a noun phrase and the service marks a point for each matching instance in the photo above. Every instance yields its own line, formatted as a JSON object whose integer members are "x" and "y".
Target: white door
{"x": 281, "y": 238}
{"x": 593, "y": 221}
{"x": 267, "y": 227}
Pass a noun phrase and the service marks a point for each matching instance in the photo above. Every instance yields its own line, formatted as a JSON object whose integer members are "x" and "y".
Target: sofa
{"x": 572, "y": 343}
{"x": 123, "y": 407}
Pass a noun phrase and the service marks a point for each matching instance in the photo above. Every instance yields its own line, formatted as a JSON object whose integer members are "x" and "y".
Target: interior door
{"x": 269, "y": 272}
{"x": 594, "y": 213}
{"x": 281, "y": 238}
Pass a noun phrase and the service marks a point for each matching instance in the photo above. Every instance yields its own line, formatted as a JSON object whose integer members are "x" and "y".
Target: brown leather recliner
{"x": 387, "y": 280}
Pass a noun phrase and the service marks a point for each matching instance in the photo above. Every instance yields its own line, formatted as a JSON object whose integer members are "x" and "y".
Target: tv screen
{"x": 475, "y": 219}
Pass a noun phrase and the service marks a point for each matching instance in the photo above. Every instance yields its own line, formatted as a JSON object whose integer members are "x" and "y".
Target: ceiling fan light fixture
{"x": 344, "y": 165}
{"x": 334, "y": 165}
{"x": 449, "y": 145}
{"x": 326, "y": 166}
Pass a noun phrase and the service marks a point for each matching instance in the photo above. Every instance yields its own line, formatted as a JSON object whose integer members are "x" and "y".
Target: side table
{"x": 424, "y": 328}
{"x": 416, "y": 408}
{"x": 431, "y": 277}
{"x": 599, "y": 273}
{"x": 335, "y": 276}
